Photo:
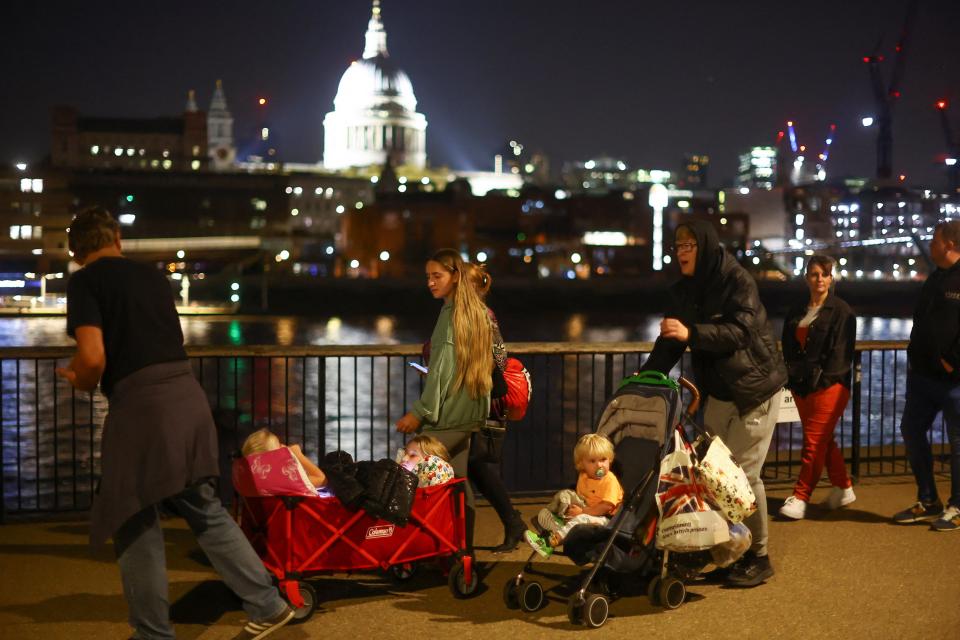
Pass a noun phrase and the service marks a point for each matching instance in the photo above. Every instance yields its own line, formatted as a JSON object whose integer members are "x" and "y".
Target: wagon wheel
{"x": 402, "y": 572}
{"x": 309, "y": 595}
{"x": 459, "y": 587}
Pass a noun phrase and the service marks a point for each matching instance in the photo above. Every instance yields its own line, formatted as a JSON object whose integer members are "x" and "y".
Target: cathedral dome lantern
{"x": 374, "y": 116}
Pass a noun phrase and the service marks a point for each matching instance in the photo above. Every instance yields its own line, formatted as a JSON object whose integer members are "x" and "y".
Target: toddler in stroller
{"x": 640, "y": 421}
{"x": 598, "y": 496}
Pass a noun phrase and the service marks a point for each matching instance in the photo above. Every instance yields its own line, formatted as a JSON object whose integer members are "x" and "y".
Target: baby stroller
{"x": 639, "y": 420}
{"x": 299, "y": 535}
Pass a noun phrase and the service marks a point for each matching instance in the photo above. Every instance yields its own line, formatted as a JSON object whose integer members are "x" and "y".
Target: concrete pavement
{"x": 845, "y": 574}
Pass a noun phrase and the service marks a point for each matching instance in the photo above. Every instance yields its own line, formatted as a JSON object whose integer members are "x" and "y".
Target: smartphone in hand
{"x": 419, "y": 367}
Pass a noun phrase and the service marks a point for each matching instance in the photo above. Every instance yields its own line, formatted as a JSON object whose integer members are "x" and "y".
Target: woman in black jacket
{"x": 818, "y": 347}
{"x": 717, "y": 313}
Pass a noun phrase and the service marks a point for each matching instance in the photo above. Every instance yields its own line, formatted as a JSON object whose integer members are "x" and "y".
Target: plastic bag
{"x": 725, "y": 482}
{"x": 686, "y": 522}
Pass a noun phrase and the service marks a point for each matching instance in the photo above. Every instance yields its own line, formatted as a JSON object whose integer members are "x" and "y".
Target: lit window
{"x": 196, "y": 149}
{"x": 131, "y": 151}
{"x": 37, "y": 232}
{"x": 166, "y": 153}
{"x": 264, "y": 133}
{"x": 26, "y": 185}
{"x": 94, "y": 150}
{"x": 15, "y": 232}
{"x": 118, "y": 151}
{"x": 167, "y": 164}
{"x": 194, "y": 164}
{"x": 26, "y": 232}
{"x": 154, "y": 163}
{"x": 37, "y": 185}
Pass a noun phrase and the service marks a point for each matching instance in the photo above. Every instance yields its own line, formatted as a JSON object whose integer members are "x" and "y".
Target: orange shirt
{"x": 597, "y": 490}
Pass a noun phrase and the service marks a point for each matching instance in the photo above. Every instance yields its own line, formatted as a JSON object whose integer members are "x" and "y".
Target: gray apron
{"x": 158, "y": 439}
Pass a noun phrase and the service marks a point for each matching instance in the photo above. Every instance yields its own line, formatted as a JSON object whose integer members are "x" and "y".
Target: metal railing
{"x": 348, "y": 397}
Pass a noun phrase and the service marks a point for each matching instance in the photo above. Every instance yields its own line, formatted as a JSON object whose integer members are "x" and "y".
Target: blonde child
{"x": 598, "y": 496}
{"x": 429, "y": 459}
{"x": 264, "y": 440}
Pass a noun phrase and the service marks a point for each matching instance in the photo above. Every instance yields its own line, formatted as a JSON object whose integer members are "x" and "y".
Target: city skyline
{"x": 646, "y": 84}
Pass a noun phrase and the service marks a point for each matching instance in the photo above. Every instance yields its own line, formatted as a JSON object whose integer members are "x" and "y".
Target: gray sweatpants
{"x": 748, "y": 438}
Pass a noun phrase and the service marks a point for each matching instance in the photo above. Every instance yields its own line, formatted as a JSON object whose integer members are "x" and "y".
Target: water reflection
{"x": 388, "y": 329}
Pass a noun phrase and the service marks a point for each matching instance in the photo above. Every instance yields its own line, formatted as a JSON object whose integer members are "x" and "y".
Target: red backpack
{"x": 519, "y": 389}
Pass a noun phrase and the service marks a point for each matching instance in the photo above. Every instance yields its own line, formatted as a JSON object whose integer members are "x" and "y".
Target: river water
{"x": 27, "y": 331}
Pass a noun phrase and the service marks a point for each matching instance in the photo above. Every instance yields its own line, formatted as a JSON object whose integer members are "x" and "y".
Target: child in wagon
{"x": 428, "y": 458}
{"x": 598, "y": 496}
{"x": 264, "y": 440}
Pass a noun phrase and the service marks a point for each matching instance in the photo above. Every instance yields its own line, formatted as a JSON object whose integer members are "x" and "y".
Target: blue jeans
{"x": 926, "y": 397}
{"x": 143, "y": 569}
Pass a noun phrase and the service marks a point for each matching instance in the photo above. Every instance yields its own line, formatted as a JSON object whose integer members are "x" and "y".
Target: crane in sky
{"x": 885, "y": 95}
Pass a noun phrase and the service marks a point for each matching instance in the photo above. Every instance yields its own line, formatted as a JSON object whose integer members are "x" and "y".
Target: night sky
{"x": 643, "y": 81}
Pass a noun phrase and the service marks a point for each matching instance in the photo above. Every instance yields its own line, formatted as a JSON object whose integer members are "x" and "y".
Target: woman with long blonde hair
{"x": 486, "y": 448}
{"x": 455, "y": 400}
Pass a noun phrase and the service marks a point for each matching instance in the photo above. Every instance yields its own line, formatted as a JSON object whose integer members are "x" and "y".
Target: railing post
{"x": 322, "y": 405}
{"x": 607, "y": 377}
{"x": 855, "y": 436}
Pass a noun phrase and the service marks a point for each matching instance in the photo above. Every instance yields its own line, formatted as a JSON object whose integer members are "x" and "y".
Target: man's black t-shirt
{"x": 133, "y": 305}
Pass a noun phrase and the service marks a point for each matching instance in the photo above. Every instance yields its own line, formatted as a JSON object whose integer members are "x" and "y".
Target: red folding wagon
{"x": 299, "y": 535}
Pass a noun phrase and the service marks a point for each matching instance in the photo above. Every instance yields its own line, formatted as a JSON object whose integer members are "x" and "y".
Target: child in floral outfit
{"x": 598, "y": 496}
{"x": 428, "y": 458}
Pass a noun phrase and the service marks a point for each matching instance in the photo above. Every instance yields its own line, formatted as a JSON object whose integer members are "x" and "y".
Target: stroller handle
{"x": 694, "y": 393}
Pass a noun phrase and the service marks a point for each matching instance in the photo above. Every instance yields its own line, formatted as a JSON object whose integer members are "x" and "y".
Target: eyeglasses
{"x": 683, "y": 247}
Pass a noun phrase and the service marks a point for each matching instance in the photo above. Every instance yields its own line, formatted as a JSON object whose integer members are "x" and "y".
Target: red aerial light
{"x": 895, "y": 94}
{"x": 899, "y": 48}
{"x": 866, "y": 58}
{"x": 941, "y": 104}
{"x": 902, "y": 177}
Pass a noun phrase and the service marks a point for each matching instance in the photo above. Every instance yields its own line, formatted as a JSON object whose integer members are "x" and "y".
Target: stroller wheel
{"x": 403, "y": 572}
{"x": 672, "y": 593}
{"x": 653, "y": 591}
{"x": 575, "y": 609}
{"x": 511, "y": 593}
{"x": 459, "y": 586}
{"x": 596, "y": 609}
{"x": 309, "y": 595}
{"x": 531, "y": 596}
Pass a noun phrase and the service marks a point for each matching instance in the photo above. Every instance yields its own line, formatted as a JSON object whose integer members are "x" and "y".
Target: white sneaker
{"x": 839, "y": 498}
{"x": 793, "y": 508}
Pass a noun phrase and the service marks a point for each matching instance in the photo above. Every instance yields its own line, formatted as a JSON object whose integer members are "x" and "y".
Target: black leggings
{"x": 486, "y": 478}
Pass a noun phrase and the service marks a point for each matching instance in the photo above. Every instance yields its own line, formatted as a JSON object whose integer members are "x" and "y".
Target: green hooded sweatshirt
{"x": 440, "y": 408}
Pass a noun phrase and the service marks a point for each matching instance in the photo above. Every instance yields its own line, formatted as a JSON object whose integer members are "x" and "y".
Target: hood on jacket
{"x": 709, "y": 251}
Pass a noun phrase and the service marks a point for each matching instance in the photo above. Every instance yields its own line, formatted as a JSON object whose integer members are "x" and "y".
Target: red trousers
{"x": 819, "y": 413}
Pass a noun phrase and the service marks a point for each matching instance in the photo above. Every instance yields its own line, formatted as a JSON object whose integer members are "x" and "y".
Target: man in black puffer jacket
{"x": 716, "y": 311}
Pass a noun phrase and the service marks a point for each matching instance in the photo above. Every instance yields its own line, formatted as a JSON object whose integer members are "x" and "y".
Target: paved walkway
{"x": 847, "y": 574}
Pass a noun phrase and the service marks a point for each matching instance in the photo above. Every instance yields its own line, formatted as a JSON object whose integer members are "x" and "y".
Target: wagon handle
{"x": 694, "y": 393}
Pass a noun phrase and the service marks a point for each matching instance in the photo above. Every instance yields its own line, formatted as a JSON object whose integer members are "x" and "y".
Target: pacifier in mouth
{"x": 600, "y": 472}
